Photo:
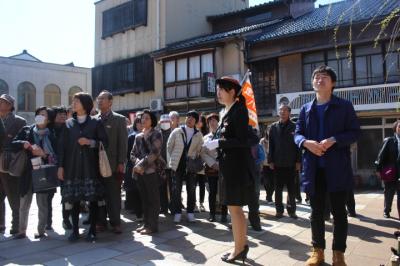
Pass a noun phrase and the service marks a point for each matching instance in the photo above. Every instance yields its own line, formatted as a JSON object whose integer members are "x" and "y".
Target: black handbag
{"x": 45, "y": 178}
{"x": 193, "y": 165}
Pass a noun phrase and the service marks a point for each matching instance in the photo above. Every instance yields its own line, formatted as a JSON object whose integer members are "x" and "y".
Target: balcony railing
{"x": 374, "y": 97}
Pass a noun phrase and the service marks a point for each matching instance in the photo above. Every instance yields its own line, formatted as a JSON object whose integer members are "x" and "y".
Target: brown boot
{"x": 316, "y": 258}
{"x": 338, "y": 258}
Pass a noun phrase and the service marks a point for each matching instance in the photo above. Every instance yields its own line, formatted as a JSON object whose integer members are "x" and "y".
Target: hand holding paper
{"x": 212, "y": 144}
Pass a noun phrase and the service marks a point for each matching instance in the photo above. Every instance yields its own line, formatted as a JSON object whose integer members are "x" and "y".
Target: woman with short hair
{"x": 79, "y": 163}
{"x": 146, "y": 157}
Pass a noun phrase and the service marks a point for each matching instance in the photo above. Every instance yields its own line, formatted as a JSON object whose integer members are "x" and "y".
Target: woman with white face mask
{"x": 39, "y": 142}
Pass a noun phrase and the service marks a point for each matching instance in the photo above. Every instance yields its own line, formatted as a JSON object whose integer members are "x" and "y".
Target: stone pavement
{"x": 282, "y": 242}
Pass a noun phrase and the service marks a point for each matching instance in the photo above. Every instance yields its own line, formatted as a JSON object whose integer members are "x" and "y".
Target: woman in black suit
{"x": 235, "y": 160}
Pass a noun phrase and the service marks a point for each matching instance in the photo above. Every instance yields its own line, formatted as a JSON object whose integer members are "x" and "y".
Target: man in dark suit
{"x": 284, "y": 160}
{"x": 9, "y": 185}
{"x": 115, "y": 125}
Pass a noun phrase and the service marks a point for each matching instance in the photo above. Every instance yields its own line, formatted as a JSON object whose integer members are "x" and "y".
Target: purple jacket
{"x": 340, "y": 122}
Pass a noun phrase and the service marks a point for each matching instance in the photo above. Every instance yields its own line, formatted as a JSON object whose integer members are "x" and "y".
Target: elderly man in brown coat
{"x": 115, "y": 125}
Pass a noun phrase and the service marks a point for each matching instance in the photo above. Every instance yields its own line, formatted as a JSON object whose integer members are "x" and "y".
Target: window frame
{"x": 188, "y": 82}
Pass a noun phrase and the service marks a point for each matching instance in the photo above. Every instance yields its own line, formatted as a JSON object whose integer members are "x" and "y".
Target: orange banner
{"x": 248, "y": 93}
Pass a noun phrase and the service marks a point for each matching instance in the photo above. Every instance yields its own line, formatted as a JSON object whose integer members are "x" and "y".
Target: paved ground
{"x": 282, "y": 242}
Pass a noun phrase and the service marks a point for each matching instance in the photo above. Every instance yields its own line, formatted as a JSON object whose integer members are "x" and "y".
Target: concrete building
{"x": 127, "y": 31}
{"x": 34, "y": 83}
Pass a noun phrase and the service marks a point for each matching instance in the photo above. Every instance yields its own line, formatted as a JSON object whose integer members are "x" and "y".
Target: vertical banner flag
{"x": 248, "y": 93}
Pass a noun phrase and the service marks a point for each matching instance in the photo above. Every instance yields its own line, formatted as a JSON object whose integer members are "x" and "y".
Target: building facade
{"x": 128, "y": 31}
{"x": 34, "y": 83}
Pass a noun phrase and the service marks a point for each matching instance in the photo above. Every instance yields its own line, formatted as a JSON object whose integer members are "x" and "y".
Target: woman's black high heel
{"x": 240, "y": 256}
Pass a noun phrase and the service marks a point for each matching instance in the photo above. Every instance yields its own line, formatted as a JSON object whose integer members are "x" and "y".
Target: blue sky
{"x": 55, "y": 31}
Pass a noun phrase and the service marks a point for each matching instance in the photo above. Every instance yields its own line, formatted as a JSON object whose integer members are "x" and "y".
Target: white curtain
{"x": 194, "y": 67}
{"x": 207, "y": 63}
{"x": 170, "y": 71}
{"x": 182, "y": 69}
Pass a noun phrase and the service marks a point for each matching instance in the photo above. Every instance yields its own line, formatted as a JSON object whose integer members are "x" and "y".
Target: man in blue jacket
{"x": 325, "y": 129}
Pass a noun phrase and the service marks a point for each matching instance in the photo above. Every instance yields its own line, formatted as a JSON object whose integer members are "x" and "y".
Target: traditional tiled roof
{"x": 329, "y": 16}
{"x": 246, "y": 11}
{"x": 324, "y": 17}
{"x": 197, "y": 41}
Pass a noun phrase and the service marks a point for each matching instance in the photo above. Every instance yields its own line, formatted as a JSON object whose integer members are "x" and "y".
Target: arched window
{"x": 26, "y": 97}
{"x": 72, "y": 92}
{"x": 52, "y": 95}
{"x": 3, "y": 87}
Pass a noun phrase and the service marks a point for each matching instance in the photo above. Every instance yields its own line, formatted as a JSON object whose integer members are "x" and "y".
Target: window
{"x": 392, "y": 62}
{"x": 3, "y": 87}
{"x": 265, "y": 84}
{"x": 135, "y": 74}
{"x": 339, "y": 61}
{"x": 26, "y": 97}
{"x": 52, "y": 95}
{"x": 183, "y": 77}
{"x": 369, "y": 65}
{"x": 182, "y": 69}
{"x": 124, "y": 17}
{"x": 72, "y": 91}
{"x": 311, "y": 62}
{"x": 170, "y": 71}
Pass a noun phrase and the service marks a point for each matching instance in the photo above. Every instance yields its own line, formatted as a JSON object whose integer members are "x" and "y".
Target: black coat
{"x": 80, "y": 160}
{"x": 2, "y": 133}
{"x": 388, "y": 155}
{"x": 26, "y": 134}
{"x": 237, "y": 166}
{"x": 283, "y": 151}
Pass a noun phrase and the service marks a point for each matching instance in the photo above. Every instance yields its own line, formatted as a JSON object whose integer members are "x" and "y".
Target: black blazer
{"x": 78, "y": 161}
{"x": 237, "y": 165}
{"x": 388, "y": 155}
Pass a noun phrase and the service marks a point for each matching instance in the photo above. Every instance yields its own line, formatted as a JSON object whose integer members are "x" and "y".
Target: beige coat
{"x": 175, "y": 146}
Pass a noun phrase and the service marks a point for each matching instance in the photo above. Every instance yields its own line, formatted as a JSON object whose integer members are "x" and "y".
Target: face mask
{"x": 40, "y": 119}
{"x": 165, "y": 126}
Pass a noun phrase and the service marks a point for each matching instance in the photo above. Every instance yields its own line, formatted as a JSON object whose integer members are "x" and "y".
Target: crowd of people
{"x": 151, "y": 159}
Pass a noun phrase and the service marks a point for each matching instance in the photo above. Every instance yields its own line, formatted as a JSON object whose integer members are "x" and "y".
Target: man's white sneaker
{"x": 177, "y": 218}
{"x": 190, "y": 218}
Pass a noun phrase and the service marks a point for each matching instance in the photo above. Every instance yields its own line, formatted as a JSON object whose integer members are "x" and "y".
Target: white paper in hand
{"x": 212, "y": 144}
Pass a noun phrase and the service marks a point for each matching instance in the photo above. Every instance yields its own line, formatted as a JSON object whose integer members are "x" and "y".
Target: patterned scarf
{"x": 41, "y": 138}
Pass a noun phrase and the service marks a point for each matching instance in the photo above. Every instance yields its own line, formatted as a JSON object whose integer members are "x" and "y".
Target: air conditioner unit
{"x": 156, "y": 105}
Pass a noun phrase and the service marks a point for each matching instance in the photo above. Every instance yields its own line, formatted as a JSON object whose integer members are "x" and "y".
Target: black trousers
{"x": 93, "y": 209}
{"x": 297, "y": 190}
{"x": 338, "y": 209}
{"x": 351, "y": 202}
{"x": 149, "y": 187}
{"x": 177, "y": 179}
{"x": 390, "y": 189}
{"x": 212, "y": 196}
{"x": 254, "y": 209}
{"x": 112, "y": 197}
{"x": 9, "y": 187}
{"x": 269, "y": 182}
{"x": 285, "y": 176}
{"x": 201, "y": 180}
{"x": 165, "y": 190}
{"x": 50, "y": 197}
